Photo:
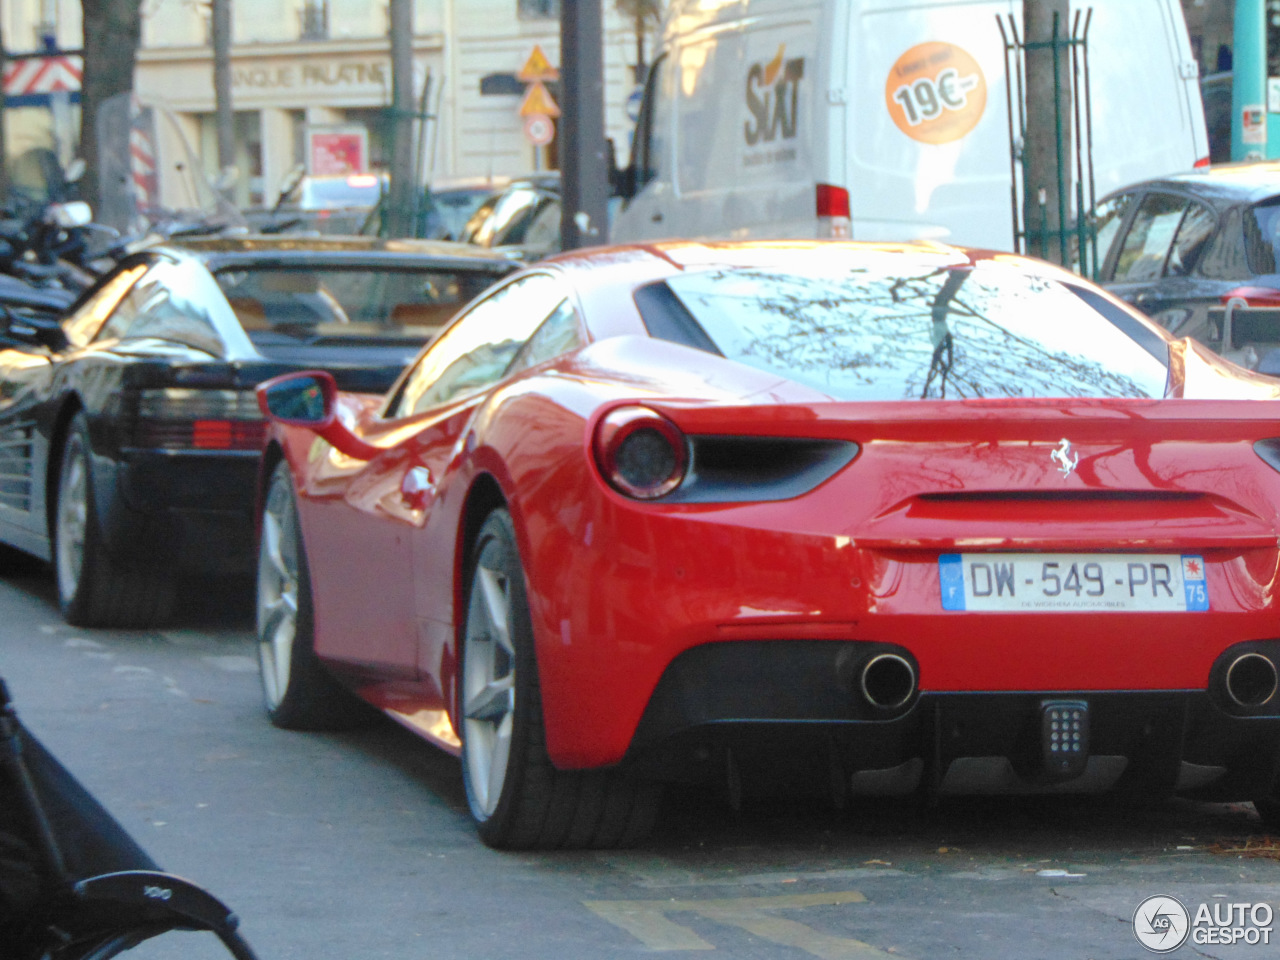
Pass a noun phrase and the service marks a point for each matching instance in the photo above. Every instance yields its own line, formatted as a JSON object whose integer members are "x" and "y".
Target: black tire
{"x": 16, "y": 564}
{"x": 300, "y": 694}
{"x": 517, "y": 798}
{"x": 96, "y": 588}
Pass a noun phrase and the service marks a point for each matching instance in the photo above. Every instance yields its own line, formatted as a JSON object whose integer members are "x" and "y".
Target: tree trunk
{"x": 112, "y": 34}
{"x": 402, "y": 198}
{"x": 1047, "y": 151}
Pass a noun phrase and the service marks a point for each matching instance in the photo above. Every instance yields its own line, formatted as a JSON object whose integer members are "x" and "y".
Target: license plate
{"x": 1049, "y": 582}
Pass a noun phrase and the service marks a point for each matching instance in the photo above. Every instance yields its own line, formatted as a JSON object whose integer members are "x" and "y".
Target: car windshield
{"x": 344, "y": 303}
{"x": 884, "y": 326}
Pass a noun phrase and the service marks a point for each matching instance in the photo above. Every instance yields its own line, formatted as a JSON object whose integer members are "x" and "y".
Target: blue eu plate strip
{"x": 951, "y": 579}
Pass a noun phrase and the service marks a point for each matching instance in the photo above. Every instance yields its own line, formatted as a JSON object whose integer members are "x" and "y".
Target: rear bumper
{"x": 783, "y": 712}
{"x": 191, "y": 510}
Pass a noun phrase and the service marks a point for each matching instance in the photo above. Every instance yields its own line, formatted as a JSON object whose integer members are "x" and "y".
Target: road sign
{"x": 634, "y": 99}
{"x": 538, "y": 102}
{"x": 540, "y": 129}
{"x": 537, "y": 68}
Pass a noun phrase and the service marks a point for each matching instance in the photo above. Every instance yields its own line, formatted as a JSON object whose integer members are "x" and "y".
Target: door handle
{"x": 657, "y": 217}
{"x": 417, "y": 487}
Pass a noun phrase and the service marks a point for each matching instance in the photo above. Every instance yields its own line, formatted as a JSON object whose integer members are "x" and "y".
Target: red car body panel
{"x": 619, "y": 588}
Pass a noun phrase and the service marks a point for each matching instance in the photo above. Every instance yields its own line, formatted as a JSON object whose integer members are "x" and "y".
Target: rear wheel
{"x": 517, "y": 798}
{"x": 300, "y": 693}
{"x": 95, "y": 588}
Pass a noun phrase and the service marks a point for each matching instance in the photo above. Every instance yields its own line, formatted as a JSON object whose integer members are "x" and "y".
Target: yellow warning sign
{"x": 537, "y": 68}
{"x": 538, "y": 101}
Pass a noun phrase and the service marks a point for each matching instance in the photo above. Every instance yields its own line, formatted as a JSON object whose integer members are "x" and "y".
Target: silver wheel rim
{"x": 277, "y": 607}
{"x": 72, "y": 520}
{"x": 488, "y": 688}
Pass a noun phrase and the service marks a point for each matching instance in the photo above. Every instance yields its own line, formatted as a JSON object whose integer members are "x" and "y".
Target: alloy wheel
{"x": 488, "y": 688}
{"x": 72, "y": 519}
{"x": 277, "y": 606}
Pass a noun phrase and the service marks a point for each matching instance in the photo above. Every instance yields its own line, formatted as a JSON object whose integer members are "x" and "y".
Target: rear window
{"x": 356, "y": 191}
{"x": 1262, "y": 236}
{"x": 893, "y": 327}
{"x": 347, "y": 304}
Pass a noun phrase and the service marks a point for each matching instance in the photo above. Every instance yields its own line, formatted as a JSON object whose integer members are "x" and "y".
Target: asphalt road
{"x": 359, "y": 846}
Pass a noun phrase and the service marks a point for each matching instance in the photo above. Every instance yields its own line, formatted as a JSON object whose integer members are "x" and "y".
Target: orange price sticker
{"x": 936, "y": 92}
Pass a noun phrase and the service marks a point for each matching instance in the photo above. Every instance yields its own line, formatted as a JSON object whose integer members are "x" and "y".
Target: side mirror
{"x": 299, "y": 399}
{"x": 310, "y": 400}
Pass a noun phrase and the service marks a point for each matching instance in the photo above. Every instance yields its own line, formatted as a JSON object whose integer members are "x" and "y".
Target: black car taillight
{"x": 641, "y": 453}
{"x": 185, "y": 419}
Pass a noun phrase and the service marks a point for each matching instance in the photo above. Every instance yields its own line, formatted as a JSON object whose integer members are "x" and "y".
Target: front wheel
{"x": 517, "y": 798}
{"x": 95, "y": 588}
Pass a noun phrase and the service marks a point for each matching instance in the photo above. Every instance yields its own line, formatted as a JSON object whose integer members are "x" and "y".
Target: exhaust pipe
{"x": 1251, "y": 680}
{"x": 888, "y": 681}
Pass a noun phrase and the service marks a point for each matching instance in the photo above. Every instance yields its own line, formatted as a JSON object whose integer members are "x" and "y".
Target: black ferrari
{"x": 129, "y": 430}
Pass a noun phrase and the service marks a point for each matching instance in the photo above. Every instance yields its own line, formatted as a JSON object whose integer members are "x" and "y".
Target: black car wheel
{"x": 300, "y": 693}
{"x": 517, "y": 798}
{"x": 95, "y": 588}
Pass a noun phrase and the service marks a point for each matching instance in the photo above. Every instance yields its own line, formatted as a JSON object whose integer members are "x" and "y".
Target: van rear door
{"x": 929, "y": 132}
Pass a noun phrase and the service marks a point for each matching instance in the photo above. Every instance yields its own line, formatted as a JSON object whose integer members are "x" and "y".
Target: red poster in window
{"x": 337, "y": 152}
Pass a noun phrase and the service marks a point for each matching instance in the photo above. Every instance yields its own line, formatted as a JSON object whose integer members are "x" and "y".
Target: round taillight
{"x": 641, "y": 453}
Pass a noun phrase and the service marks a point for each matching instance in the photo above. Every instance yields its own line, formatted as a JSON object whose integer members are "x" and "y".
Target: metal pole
{"x": 225, "y": 117}
{"x": 583, "y": 153}
{"x": 4, "y": 153}
{"x": 1249, "y": 81}
{"x": 403, "y": 190}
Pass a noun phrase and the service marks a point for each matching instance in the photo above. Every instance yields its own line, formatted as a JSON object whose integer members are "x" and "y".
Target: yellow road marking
{"x": 647, "y": 921}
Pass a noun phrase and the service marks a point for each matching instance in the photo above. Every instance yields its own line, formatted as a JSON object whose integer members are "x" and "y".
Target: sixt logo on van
{"x": 773, "y": 97}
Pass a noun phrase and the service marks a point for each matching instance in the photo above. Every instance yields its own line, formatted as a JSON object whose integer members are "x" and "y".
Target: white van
{"x": 889, "y": 118}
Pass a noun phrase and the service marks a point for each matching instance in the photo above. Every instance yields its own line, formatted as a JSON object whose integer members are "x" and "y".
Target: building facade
{"x": 304, "y": 69}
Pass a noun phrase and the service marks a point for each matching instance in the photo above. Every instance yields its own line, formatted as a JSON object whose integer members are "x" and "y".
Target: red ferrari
{"x": 880, "y": 519}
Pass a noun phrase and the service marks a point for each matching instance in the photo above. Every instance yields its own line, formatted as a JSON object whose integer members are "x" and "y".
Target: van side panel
{"x": 1148, "y": 118}
{"x": 747, "y": 104}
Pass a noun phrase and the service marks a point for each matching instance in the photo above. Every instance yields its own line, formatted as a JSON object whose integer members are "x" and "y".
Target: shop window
{"x": 538, "y": 9}
{"x": 314, "y": 20}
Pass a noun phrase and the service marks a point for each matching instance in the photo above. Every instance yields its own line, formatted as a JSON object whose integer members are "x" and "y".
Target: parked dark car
{"x": 521, "y": 220}
{"x": 1198, "y": 252}
{"x": 443, "y": 208}
{"x": 129, "y": 431}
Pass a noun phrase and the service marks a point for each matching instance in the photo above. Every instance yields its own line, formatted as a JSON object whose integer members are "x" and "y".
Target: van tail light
{"x": 833, "y": 213}
{"x": 641, "y": 454}
{"x": 184, "y": 419}
{"x": 1202, "y": 163}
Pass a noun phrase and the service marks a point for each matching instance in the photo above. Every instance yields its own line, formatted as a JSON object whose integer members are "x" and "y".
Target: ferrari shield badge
{"x": 1064, "y": 458}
